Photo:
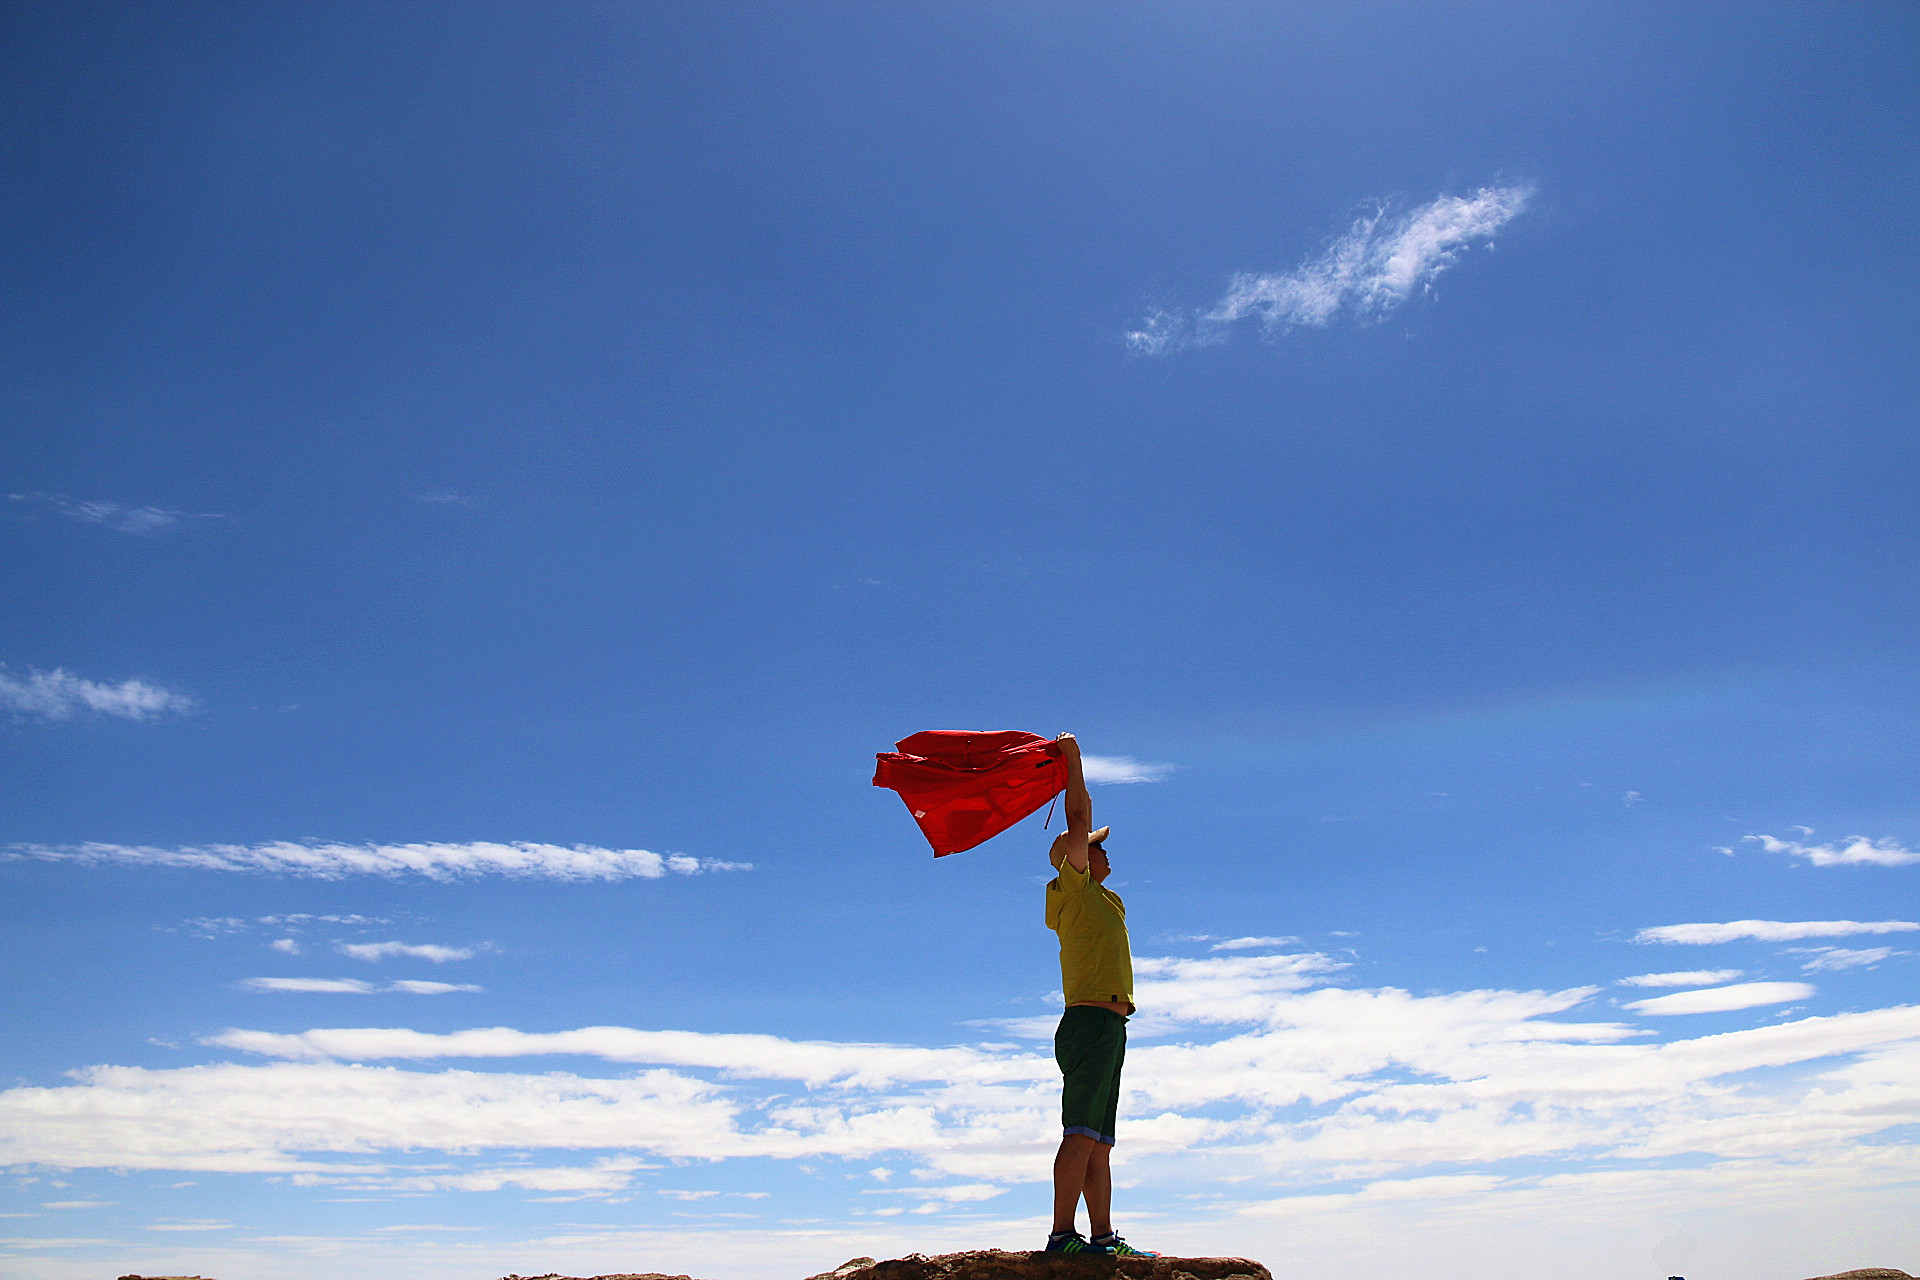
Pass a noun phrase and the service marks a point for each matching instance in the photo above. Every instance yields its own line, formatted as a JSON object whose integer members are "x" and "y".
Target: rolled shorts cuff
{"x": 1085, "y": 1132}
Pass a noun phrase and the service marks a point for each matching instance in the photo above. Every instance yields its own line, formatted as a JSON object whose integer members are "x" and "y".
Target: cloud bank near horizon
{"x": 1324, "y": 1084}
{"x": 315, "y": 860}
{"x": 1367, "y": 271}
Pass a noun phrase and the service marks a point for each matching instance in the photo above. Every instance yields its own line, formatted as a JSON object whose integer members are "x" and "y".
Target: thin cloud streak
{"x": 1746, "y": 995}
{"x": 444, "y": 862}
{"x": 1834, "y": 959}
{"x": 1769, "y": 930}
{"x": 61, "y": 695}
{"x": 113, "y": 515}
{"x": 1684, "y": 978}
{"x": 420, "y": 951}
{"x": 1379, "y": 262}
{"x": 354, "y": 986}
{"x": 1111, "y": 769}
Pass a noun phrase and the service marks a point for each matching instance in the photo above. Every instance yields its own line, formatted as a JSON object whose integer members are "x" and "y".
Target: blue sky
{"x": 482, "y": 480}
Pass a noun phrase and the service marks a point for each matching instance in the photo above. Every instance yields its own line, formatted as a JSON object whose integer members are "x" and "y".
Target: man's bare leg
{"x": 1099, "y": 1191}
{"x": 1072, "y": 1178}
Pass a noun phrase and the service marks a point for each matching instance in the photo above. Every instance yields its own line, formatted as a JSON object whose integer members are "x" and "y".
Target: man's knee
{"x": 1080, "y": 1143}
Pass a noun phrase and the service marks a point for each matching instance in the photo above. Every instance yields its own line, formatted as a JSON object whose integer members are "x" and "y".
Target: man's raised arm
{"x": 1072, "y": 844}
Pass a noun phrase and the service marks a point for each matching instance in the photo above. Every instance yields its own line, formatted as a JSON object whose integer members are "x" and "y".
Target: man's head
{"x": 1097, "y": 865}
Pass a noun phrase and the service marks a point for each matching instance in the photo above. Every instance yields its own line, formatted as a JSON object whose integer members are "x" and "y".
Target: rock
{"x": 1868, "y": 1273}
{"x": 993, "y": 1264}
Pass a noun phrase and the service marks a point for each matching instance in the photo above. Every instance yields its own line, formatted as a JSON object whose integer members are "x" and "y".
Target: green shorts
{"x": 1090, "y": 1047}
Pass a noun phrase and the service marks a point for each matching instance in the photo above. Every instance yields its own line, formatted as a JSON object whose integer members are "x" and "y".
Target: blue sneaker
{"x": 1073, "y": 1242}
{"x": 1113, "y": 1244}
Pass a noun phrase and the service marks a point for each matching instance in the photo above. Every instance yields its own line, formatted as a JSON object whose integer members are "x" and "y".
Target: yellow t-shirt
{"x": 1096, "y": 961}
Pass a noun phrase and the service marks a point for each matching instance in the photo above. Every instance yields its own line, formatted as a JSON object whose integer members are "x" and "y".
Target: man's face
{"x": 1097, "y": 863}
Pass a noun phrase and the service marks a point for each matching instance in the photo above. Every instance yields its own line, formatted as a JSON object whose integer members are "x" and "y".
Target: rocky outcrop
{"x": 1868, "y": 1273}
{"x": 992, "y": 1264}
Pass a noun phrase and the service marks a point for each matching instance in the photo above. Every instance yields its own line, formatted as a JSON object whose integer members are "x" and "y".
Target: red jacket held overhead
{"x": 964, "y": 788}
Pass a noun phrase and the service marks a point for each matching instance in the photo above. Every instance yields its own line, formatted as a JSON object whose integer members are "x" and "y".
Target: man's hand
{"x": 1069, "y": 745}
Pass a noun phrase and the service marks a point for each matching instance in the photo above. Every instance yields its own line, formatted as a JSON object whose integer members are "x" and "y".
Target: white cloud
{"x": 1683, "y": 978}
{"x": 1373, "y": 267}
{"x": 1769, "y": 930}
{"x": 61, "y": 695}
{"x": 1833, "y": 959}
{"x": 1333, "y": 1084}
{"x": 114, "y": 515}
{"x": 445, "y": 862}
{"x": 1249, "y": 944}
{"x": 201, "y": 1224}
{"x": 1856, "y": 851}
{"x": 285, "y": 945}
{"x": 1100, "y": 769}
{"x": 1459, "y": 1101}
{"x": 76, "y": 1204}
{"x": 1745, "y": 995}
{"x": 961, "y": 1194}
{"x": 355, "y": 986}
{"x": 420, "y": 951}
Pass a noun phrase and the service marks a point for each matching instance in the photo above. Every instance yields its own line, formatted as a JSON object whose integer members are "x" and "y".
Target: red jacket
{"x": 964, "y": 788}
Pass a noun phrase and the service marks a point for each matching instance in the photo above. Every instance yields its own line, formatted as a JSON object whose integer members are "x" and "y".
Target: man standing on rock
{"x": 1096, "y": 972}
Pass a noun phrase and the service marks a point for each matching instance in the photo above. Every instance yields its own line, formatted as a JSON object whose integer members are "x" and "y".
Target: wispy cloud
{"x": 113, "y": 515}
{"x": 1122, "y": 769}
{"x": 1770, "y": 930}
{"x": 1379, "y": 262}
{"x": 61, "y": 695}
{"x": 320, "y": 861}
{"x": 1855, "y": 851}
{"x": 1249, "y": 944}
{"x": 343, "y": 986}
{"x": 1834, "y": 959}
{"x": 298, "y": 922}
{"x": 355, "y": 986}
{"x": 1683, "y": 978}
{"x": 1746, "y": 995}
{"x": 419, "y": 951}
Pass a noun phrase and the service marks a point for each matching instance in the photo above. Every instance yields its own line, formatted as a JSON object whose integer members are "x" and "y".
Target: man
{"x": 1096, "y": 972}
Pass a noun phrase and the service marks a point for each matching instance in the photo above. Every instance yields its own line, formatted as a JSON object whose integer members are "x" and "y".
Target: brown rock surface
{"x": 992, "y": 1264}
{"x": 1868, "y": 1273}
